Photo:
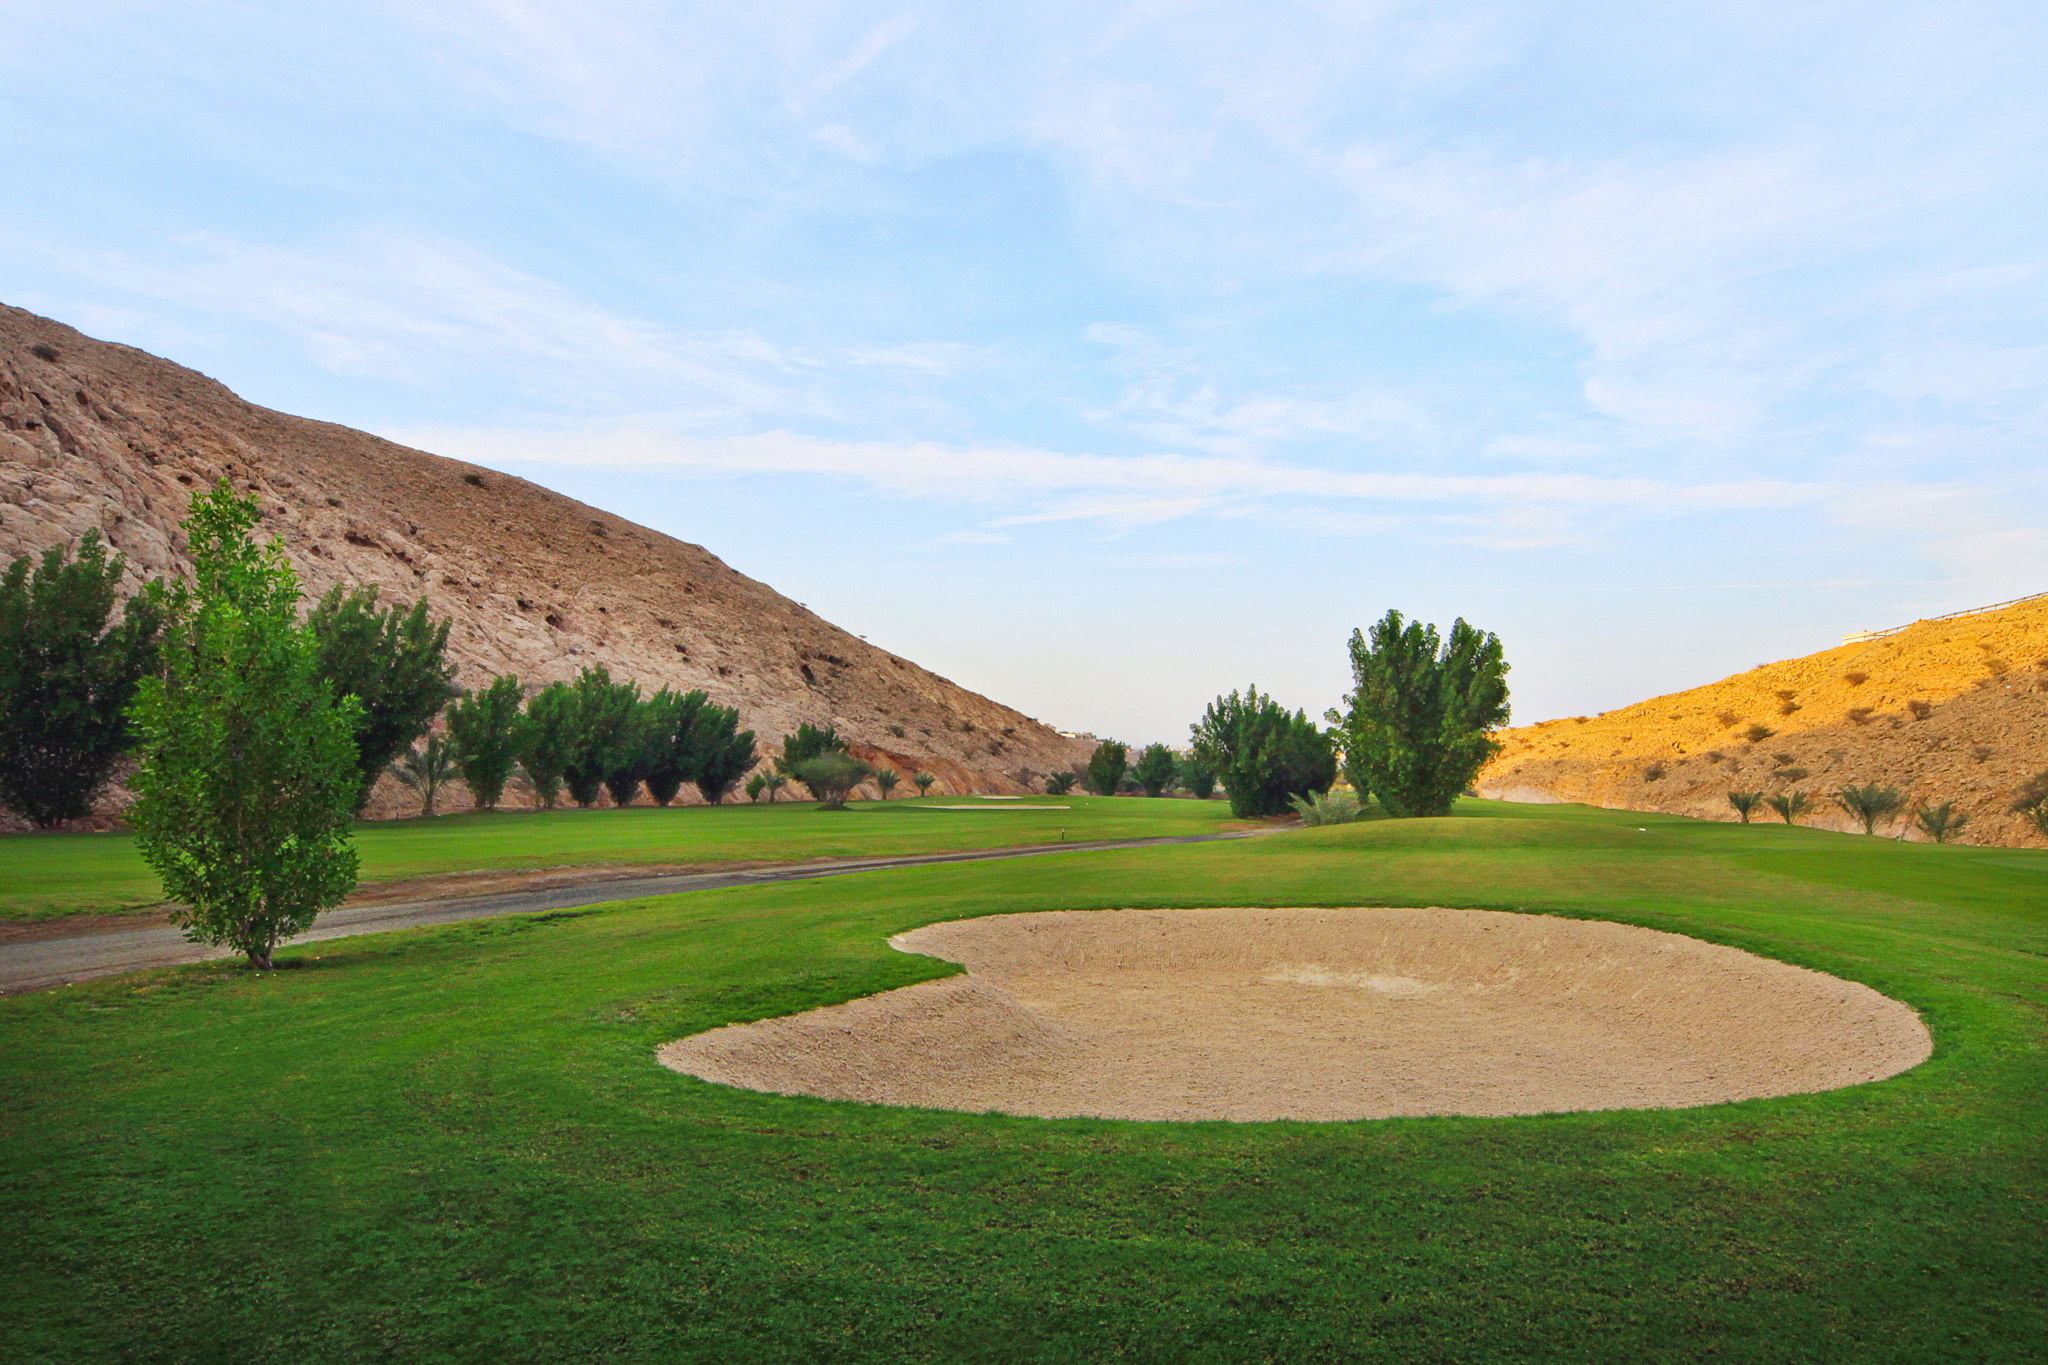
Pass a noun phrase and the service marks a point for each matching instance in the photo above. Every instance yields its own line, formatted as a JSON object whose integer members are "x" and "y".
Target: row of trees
{"x": 1413, "y": 732}
{"x": 71, "y": 667}
{"x": 1869, "y": 804}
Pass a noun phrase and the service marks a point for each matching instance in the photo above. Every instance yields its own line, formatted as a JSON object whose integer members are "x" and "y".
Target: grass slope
{"x": 47, "y": 875}
{"x": 455, "y": 1144}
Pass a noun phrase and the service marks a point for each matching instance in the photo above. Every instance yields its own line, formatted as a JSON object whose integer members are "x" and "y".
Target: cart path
{"x": 39, "y": 964}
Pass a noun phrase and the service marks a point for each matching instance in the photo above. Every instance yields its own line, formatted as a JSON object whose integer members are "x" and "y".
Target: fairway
{"x": 458, "y": 1144}
{"x": 43, "y": 876}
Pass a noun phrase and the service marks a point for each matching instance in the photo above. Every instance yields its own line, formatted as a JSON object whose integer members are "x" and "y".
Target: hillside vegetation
{"x": 1946, "y": 710}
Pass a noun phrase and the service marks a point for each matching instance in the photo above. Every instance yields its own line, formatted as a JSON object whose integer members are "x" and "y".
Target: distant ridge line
{"x": 1858, "y": 637}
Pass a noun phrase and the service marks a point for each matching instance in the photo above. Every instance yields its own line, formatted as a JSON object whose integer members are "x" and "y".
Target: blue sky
{"x": 1105, "y": 357}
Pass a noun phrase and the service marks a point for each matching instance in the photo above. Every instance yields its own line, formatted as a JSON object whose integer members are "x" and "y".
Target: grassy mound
{"x": 456, "y": 1143}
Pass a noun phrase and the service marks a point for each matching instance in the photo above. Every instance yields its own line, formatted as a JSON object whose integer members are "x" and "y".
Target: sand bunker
{"x": 1321, "y": 1014}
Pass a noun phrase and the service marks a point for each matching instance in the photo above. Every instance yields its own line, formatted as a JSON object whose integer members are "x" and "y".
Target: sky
{"x": 1105, "y": 357}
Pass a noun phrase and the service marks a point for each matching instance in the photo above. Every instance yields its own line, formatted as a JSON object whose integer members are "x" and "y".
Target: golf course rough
{"x": 1321, "y": 1014}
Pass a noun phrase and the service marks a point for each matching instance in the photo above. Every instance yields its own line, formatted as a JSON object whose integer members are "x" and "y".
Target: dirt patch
{"x": 1248, "y": 1015}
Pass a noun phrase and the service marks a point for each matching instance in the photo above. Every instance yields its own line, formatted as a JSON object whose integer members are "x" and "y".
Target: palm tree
{"x": 1870, "y": 803}
{"x": 1941, "y": 822}
{"x": 1791, "y": 806}
{"x": 426, "y": 768}
{"x": 924, "y": 783}
{"x": 774, "y": 782}
{"x": 1745, "y": 803}
{"x": 886, "y": 779}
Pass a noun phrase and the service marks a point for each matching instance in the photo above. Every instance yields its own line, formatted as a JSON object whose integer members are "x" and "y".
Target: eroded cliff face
{"x": 96, "y": 435}
{"x": 1953, "y": 710}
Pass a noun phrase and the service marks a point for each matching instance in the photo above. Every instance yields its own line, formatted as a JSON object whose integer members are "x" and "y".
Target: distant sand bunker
{"x": 1321, "y": 1014}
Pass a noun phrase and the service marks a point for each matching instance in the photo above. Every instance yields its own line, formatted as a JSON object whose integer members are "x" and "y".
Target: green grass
{"x": 455, "y": 1144}
{"x": 47, "y": 875}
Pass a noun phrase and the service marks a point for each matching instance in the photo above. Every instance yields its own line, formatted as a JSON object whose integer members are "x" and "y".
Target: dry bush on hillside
{"x": 1921, "y": 709}
{"x": 1860, "y": 715}
{"x": 1654, "y": 773}
{"x": 1980, "y": 752}
{"x": 1856, "y": 678}
{"x": 1790, "y": 775}
{"x": 1757, "y": 734}
{"x": 1727, "y": 717}
{"x": 1997, "y": 667}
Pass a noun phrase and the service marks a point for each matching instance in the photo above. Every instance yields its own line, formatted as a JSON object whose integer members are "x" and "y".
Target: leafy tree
{"x": 426, "y": 767}
{"x": 1745, "y": 803}
{"x": 1262, "y": 753}
{"x": 1056, "y": 784}
{"x": 1943, "y": 822}
{"x": 601, "y": 732}
{"x": 1870, "y": 803}
{"x": 1106, "y": 767}
{"x": 756, "y": 784}
{"x": 924, "y": 782}
{"x": 1155, "y": 769}
{"x": 1416, "y": 724}
{"x": 669, "y": 741}
{"x": 776, "y": 782}
{"x": 488, "y": 731}
{"x": 67, "y": 677}
{"x": 393, "y": 661}
{"x": 832, "y": 776}
{"x": 547, "y": 740}
{"x": 808, "y": 742}
{"x": 1198, "y": 776}
{"x": 249, "y": 764}
{"x": 1790, "y": 805}
{"x": 725, "y": 753}
{"x": 2030, "y": 802}
{"x": 886, "y": 780}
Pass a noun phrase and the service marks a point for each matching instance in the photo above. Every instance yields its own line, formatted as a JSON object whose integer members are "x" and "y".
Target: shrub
{"x": 806, "y": 743}
{"x": 1338, "y": 807}
{"x": 486, "y": 731}
{"x": 1790, "y": 805}
{"x": 1941, "y": 823}
{"x": 1996, "y": 667}
{"x": 1921, "y": 709}
{"x": 1856, "y": 678}
{"x": 1860, "y": 715}
{"x": 1793, "y": 774}
{"x": 756, "y": 784}
{"x": 248, "y": 775}
{"x": 1057, "y": 784}
{"x": 1155, "y": 769}
{"x": 1728, "y": 718}
{"x": 1654, "y": 773}
{"x": 832, "y": 776}
{"x": 1980, "y": 752}
{"x": 1262, "y": 753}
{"x": 1745, "y": 803}
{"x": 2030, "y": 801}
{"x": 1870, "y": 803}
{"x": 393, "y": 661}
{"x": 1106, "y": 768}
{"x": 1416, "y": 727}
{"x": 67, "y": 677}
{"x": 1757, "y": 734}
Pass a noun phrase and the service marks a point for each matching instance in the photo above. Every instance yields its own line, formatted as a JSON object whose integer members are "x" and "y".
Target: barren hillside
{"x": 100, "y": 435}
{"x": 1946, "y": 710}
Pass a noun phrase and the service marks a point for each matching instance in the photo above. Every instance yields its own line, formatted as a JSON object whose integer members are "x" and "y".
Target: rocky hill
{"x": 100, "y": 435}
{"x": 1947, "y": 710}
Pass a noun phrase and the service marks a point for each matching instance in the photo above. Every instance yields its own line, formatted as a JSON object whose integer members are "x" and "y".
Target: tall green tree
{"x": 248, "y": 776}
{"x": 1416, "y": 726}
{"x": 1106, "y": 768}
{"x": 393, "y": 660}
{"x": 672, "y": 741}
{"x": 547, "y": 741}
{"x": 601, "y": 731}
{"x": 68, "y": 671}
{"x": 725, "y": 753}
{"x": 807, "y": 742}
{"x": 488, "y": 732}
{"x": 1198, "y": 776}
{"x": 1155, "y": 769}
{"x": 1262, "y": 753}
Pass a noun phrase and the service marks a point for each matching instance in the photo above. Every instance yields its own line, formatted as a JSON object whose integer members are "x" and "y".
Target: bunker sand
{"x": 1316, "y": 1014}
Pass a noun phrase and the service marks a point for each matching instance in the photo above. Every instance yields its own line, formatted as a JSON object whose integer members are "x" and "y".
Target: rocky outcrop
{"x": 100, "y": 435}
{"x": 1945, "y": 710}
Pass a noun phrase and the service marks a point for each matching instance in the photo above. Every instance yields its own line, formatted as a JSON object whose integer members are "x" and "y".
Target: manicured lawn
{"x": 455, "y": 1144}
{"x": 43, "y": 875}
